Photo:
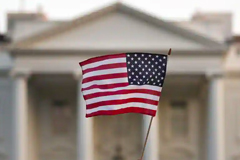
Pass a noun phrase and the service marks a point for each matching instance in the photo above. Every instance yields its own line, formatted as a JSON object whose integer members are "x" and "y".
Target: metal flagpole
{"x": 150, "y": 124}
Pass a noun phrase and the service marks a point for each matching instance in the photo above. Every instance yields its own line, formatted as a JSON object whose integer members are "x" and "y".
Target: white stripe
{"x": 122, "y": 96}
{"x": 105, "y": 71}
{"x": 106, "y": 61}
{"x": 116, "y": 107}
{"x": 149, "y": 87}
{"x": 105, "y": 81}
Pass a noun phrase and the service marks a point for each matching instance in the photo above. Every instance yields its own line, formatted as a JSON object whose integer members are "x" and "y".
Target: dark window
{"x": 179, "y": 118}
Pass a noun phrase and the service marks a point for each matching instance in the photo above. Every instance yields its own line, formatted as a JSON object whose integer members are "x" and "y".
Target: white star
{"x": 138, "y": 82}
{"x": 142, "y": 62}
{"x": 141, "y": 80}
{"x": 130, "y": 77}
{"x": 146, "y": 58}
{"x": 159, "y": 74}
{"x": 128, "y": 62}
{"x": 139, "y": 65}
{"x": 131, "y": 82}
{"x": 153, "y": 59}
{"x": 146, "y": 72}
{"x": 164, "y": 57}
{"x": 128, "y": 55}
{"x": 136, "y": 76}
{"x": 158, "y": 80}
{"x": 163, "y": 71}
{"x": 145, "y": 65}
{"x": 156, "y": 77}
{"x": 140, "y": 72}
{"x": 135, "y": 62}
{"x": 150, "y": 55}
{"x": 160, "y": 60}
{"x": 129, "y": 69}
{"x": 133, "y": 73}
{"x": 135, "y": 55}
{"x": 136, "y": 69}
{"x": 149, "y": 62}
{"x": 150, "y": 75}
{"x": 155, "y": 69}
{"x": 163, "y": 64}
{"x": 132, "y": 66}
{"x": 148, "y": 82}
{"x": 159, "y": 66}
{"x": 160, "y": 84}
{"x": 152, "y": 79}
{"x": 157, "y": 56}
{"x": 154, "y": 83}
{"x": 161, "y": 77}
{"x": 131, "y": 58}
{"x": 152, "y": 66}
{"x": 153, "y": 72}
{"x": 142, "y": 55}
{"x": 139, "y": 58}
{"x": 149, "y": 69}
{"x": 156, "y": 62}
{"x": 144, "y": 76}
{"x": 143, "y": 69}
{"x": 134, "y": 79}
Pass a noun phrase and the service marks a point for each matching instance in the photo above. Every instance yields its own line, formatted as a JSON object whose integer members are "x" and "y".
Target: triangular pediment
{"x": 118, "y": 28}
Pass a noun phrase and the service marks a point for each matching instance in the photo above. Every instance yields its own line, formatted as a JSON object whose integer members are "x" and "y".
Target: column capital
{"x": 77, "y": 74}
{"x": 21, "y": 72}
{"x": 212, "y": 74}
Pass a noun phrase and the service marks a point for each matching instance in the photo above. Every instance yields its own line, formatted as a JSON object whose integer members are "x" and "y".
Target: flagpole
{"x": 150, "y": 124}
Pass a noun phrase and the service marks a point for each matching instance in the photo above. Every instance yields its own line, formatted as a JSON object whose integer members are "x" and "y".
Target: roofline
{"x": 112, "y": 51}
{"x": 118, "y": 6}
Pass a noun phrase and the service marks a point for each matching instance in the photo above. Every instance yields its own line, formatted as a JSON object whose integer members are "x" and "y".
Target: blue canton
{"x": 146, "y": 68}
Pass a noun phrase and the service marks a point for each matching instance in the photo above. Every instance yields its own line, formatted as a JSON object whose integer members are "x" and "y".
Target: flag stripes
{"x": 107, "y": 91}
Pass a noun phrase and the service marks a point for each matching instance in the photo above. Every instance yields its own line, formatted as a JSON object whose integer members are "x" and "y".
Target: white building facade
{"x": 42, "y": 112}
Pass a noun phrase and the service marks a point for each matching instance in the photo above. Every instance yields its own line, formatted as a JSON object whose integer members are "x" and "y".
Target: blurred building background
{"x": 42, "y": 113}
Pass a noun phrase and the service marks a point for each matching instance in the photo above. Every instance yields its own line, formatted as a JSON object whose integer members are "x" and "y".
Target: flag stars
{"x": 146, "y": 69}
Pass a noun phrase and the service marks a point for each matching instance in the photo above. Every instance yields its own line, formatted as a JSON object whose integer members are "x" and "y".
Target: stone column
{"x": 152, "y": 147}
{"x": 215, "y": 141}
{"x": 85, "y": 127}
{"x": 20, "y": 115}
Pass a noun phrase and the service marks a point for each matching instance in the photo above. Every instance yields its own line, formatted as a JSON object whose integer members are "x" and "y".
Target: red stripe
{"x": 121, "y": 101}
{"x": 101, "y": 58}
{"x": 125, "y": 91}
{"x": 124, "y": 110}
{"x": 106, "y": 86}
{"x": 105, "y": 76}
{"x": 106, "y": 66}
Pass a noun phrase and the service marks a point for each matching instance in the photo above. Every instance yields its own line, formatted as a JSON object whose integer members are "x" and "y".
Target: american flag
{"x": 123, "y": 83}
